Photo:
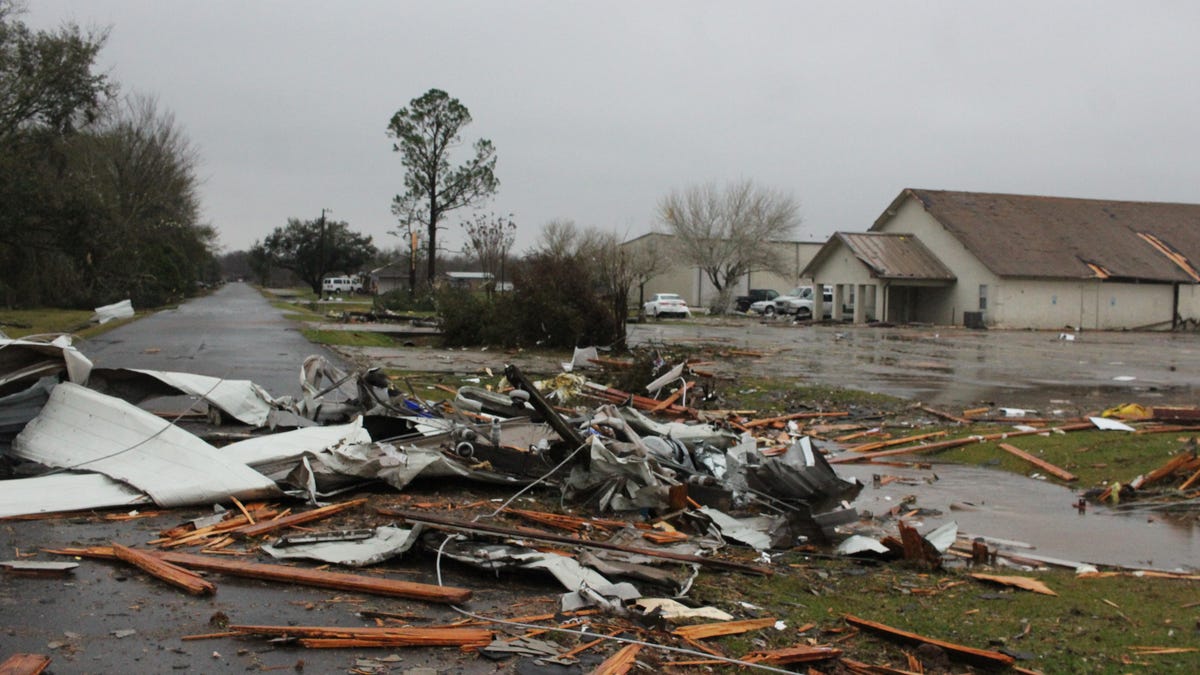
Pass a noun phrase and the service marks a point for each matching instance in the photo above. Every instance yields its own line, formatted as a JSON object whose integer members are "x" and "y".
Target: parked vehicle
{"x": 341, "y": 285}
{"x": 743, "y": 302}
{"x": 667, "y": 304}
{"x": 799, "y": 302}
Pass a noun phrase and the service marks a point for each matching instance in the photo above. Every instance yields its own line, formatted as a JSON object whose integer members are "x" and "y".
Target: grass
{"x": 348, "y": 338}
{"x": 25, "y": 322}
{"x": 1090, "y": 627}
{"x": 1095, "y": 457}
{"x": 779, "y": 396}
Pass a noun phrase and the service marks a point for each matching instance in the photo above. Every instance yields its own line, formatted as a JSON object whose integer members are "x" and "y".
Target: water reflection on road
{"x": 955, "y": 366}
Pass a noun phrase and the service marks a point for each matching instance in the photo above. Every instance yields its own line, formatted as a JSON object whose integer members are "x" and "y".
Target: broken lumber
{"x": 294, "y": 575}
{"x": 467, "y": 526}
{"x": 326, "y": 636}
{"x": 945, "y": 415}
{"x": 264, "y": 527}
{"x": 793, "y": 654}
{"x": 619, "y": 663}
{"x": 24, "y": 664}
{"x": 956, "y": 442}
{"x": 673, "y": 398}
{"x": 1024, "y": 583}
{"x": 917, "y": 548}
{"x": 720, "y": 628}
{"x": 1181, "y": 461}
{"x": 1039, "y": 463}
{"x": 160, "y": 569}
{"x": 879, "y": 445}
{"x": 794, "y": 416}
{"x": 981, "y": 657}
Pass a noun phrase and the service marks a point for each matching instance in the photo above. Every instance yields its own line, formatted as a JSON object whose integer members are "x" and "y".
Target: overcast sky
{"x": 598, "y": 109}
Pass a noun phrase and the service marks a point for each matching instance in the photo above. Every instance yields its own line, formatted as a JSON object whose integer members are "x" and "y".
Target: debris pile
{"x": 653, "y": 492}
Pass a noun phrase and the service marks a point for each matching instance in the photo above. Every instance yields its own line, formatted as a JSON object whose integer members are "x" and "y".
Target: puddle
{"x": 1040, "y": 513}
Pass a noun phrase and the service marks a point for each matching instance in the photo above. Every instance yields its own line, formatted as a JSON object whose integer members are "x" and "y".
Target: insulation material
{"x": 81, "y": 428}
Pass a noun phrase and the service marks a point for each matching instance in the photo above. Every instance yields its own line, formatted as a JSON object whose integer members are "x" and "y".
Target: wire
{"x": 666, "y": 648}
{"x": 525, "y": 489}
{"x": 169, "y": 425}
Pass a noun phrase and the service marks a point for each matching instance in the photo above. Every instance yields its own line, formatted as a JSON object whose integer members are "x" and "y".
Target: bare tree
{"x": 489, "y": 239}
{"x": 618, "y": 268}
{"x": 559, "y": 238}
{"x": 726, "y": 232}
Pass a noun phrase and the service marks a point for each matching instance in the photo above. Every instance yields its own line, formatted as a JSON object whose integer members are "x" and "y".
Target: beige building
{"x": 691, "y": 282}
{"x": 1017, "y": 261}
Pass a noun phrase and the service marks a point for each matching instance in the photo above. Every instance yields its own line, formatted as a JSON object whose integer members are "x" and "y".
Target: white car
{"x": 667, "y": 304}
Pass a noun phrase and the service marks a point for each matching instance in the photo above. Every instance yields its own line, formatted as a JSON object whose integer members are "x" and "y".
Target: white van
{"x": 341, "y": 285}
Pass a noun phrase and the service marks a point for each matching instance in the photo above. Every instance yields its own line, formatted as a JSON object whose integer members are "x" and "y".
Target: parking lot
{"x": 957, "y": 366}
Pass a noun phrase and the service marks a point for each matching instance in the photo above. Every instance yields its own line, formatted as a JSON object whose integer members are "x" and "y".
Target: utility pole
{"x": 321, "y": 252}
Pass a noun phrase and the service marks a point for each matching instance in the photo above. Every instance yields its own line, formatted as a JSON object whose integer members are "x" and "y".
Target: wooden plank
{"x": 265, "y": 527}
{"x": 945, "y": 415}
{"x": 1024, "y": 583}
{"x": 879, "y": 445}
{"x": 981, "y": 657}
{"x": 707, "y": 630}
{"x": 295, "y": 575}
{"x": 619, "y": 663}
{"x": 793, "y": 654}
{"x": 24, "y": 664}
{"x": 378, "y": 637}
{"x": 673, "y": 398}
{"x": 956, "y": 442}
{"x": 765, "y": 421}
{"x": 1040, "y": 463}
{"x": 158, "y": 568}
{"x": 1172, "y": 465}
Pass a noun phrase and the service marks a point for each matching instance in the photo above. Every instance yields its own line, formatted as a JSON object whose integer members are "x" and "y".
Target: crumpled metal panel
{"x": 84, "y": 429}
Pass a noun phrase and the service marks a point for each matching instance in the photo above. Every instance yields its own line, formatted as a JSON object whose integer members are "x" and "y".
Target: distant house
{"x": 390, "y": 277}
{"x": 690, "y": 281}
{"x": 1018, "y": 261}
{"x": 473, "y": 281}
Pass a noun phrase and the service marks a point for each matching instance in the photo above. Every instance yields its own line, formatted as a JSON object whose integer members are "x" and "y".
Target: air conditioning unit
{"x": 974, "y": 320}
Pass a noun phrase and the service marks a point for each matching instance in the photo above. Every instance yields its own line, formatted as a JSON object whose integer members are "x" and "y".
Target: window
{"x": 982, "y": 297}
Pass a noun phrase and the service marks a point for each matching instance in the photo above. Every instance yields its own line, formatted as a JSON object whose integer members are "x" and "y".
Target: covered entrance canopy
{"x": 883, "y": 276}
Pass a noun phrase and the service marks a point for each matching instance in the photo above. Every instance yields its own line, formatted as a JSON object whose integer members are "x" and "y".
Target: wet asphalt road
{"x": 233, "y": 333}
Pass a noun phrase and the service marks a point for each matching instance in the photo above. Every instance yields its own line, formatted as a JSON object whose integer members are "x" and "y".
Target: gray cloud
{"x": 598, "y": 109}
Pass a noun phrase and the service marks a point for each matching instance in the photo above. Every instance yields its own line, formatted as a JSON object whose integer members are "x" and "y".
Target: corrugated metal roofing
{"x": 896, "y": 256}
{"x": 1058, "y": 237}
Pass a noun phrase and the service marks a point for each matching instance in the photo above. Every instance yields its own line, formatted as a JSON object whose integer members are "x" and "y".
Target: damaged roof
{"x": 1060, "y": 237}
{"x": 895, "y": 256}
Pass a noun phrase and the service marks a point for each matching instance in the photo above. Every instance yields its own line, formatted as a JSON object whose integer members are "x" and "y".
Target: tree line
{"x": 98, "y": 200}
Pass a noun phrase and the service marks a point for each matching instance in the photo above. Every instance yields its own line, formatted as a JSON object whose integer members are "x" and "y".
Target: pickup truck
{"x": 800, "y": 302}
{"x": 742, "y": 302}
